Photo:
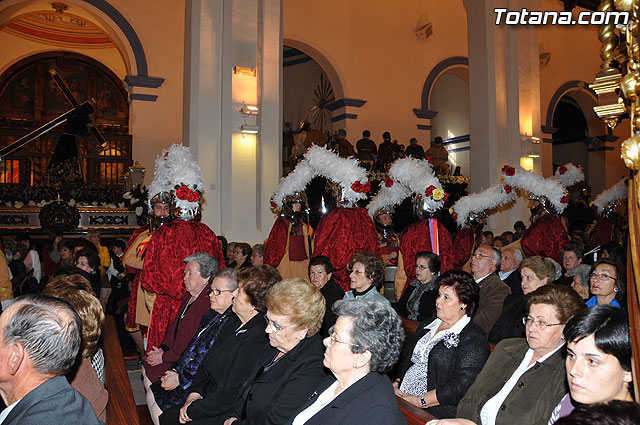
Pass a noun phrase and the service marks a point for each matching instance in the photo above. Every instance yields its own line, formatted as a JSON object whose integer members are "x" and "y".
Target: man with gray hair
{"x": 39, "y": 341}
{"x": 484, "y": 264}
{"x": 509, "y": 274}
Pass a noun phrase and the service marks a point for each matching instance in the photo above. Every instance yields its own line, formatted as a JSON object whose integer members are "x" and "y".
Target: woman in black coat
{"x": 365, "y": 342}
{"x": 445, "y": 355}
{"x": 291, "y": 369}
{"x": 418, "y": 300}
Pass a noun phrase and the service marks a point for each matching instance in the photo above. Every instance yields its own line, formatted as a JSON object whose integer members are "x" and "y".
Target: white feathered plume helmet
{"x": 476, "y": 204}
{"x": 538, "y": 187}
{"x": 320, "y": 161}
{"x": 611, "y": 198}
{"x": 569, "y": 174}
{"x": 178, "y": 172}
{"x": 409, "y": 176}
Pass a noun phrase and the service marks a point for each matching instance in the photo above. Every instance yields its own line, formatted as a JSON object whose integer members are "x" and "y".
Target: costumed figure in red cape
{"x": 140, "y": 301}
{"x": 608, "y": 227}
{"x": 288, "y": 247}
{"x": 415, "y": 178}
{"x": 546, "y": 235}
{"x": 470, "y": 213}
{"x": 347, "y": 229}
{"x": 162, "y": 273}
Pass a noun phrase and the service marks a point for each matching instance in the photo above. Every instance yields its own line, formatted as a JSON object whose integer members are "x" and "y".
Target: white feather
{"x": 573, "y": 175}
{"x": 296, "y": 181}
{"x": 388, "y": 197}
{"x": 538, "y": 185}
{"x": 616, "y": 192}
{"x": 489, "y": 198}
{"x": 417, "y": 175}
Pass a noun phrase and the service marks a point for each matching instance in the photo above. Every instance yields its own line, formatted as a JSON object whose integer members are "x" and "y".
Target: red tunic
{"x": 415, "y": 238}
{"x": 545, "y": 237}
{"x": 164, "y": 265}
{"x": 463, "y": 246}
{"x": 342, "y": 233}
{"x": 604, "y": 231}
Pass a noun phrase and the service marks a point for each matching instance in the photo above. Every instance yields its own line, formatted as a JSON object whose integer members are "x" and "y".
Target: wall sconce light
{"x": 243, "y": 70}
{"x": 533, "y": 146}
{"x": 248, "y": 110}
{"x": 533, "y": 155}
{"x": 251, "y": 129}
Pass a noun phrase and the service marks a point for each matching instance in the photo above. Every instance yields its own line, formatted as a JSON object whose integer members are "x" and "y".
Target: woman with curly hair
{"x": 367, "y": 274}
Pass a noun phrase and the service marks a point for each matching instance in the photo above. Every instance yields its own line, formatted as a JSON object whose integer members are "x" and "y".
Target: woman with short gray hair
{"x": 580, "y": 282}
{"x": 364, "y": 343}
{"x": 207, "y": 264}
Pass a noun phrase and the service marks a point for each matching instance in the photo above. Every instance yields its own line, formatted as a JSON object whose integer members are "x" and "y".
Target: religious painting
{"x": 18, "y": 95}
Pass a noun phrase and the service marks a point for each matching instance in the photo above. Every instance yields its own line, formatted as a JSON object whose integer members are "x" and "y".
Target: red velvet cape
{"x": 133, "y": 298}
{"x": 164, "y": 265}
{"x": 415, "y": 238}
{"x": 276, "y": 245}
{"x": 545, "y": 237}
{"x": 463, "y": 245}
{"x": 342, "y": 233}
{"x": 603, "y": 232}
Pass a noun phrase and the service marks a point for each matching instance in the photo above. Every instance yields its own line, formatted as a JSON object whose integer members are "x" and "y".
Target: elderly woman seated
{"x": 418, "y": 300}
{"x": 445, "y": 355}
{"x": 535, "y": 271}
{"x": 598, "y": 359}
{"x": 287, "y": 373}
{"x": 524, "y": 379}
{"x": 580, "y": 282}
{"x": 219, "y": 379}
{"x": 365, "y": 343}
{"x": 367, "y": 274}
{"x": 321, "y": 276}
{"x": 76, "y": 290}
{"x": 174, "y": 386}
{"x": 198, "y": 275}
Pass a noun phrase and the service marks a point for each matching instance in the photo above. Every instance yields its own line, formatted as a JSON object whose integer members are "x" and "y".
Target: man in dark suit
{"x": 39, "y": 340}
{"x": 509, "y": 273}
{"x": 484, "y": 263}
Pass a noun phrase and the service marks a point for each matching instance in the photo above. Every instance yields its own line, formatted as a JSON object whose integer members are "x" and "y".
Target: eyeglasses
{"x": 333, "y": 339}
{"x": 421, "y": 267}
{"x": 601, "y": 276}
{"x": 81, "y": 263}
{"x": 216, "y": 291}
{"x": 276, "y": 326}
{"x": 539, "y": 324}
{"x": 479, "y": 256}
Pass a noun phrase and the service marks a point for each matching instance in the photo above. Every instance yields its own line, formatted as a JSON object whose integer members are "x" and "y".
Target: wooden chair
{"x": 412, "y": 414}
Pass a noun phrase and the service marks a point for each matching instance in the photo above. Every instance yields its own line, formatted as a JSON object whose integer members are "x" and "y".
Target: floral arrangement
{"x": 136, "y": 200}
{"x": 18, "y": 196}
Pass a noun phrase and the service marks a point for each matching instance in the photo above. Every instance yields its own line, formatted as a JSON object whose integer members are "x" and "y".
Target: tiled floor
{"x": 135, "y": 377}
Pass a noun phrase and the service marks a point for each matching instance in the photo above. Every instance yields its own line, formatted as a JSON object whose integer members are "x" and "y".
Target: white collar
{"x": 504, "y": 275}
{"x": 456, "y": 328}
{"x": 478, "y": 280}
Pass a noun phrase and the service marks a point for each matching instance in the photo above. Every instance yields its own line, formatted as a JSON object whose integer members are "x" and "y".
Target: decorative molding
{"x": 601, "y": 148}
{"x": 548, "y": 130}
{"x": 344, "y": 116}
{"x": 145, "y": 97}
{"x": 465, "y": 148}
{"x": 458, "y": 139}
{"x": 573, "y": 85}
{"x": 423, "y": 127}
{"x": 143, "y": 81}
{"x": 420, "y": 113}
{"x": 340, "y": 103}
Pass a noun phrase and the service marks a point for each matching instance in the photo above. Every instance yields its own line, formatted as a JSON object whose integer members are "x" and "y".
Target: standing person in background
{"x": 32, "y": 259}
{"x": 50, "y": 254}
{"x": 367, "y": 150}
{"x": 93, "y": 236}
{"x": 345, "y": 148}
{"x": 386, "y": 152}
{"x": 414, "y": 149}
{"x": 439, "y": 157}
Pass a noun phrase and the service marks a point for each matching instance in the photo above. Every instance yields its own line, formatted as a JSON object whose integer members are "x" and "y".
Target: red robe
{"x": 342, "y": 233}
{"x": 463, "y": 246}
{"x": 545, "y": 237}
{"x": 604, "y": 231}
{"x": 131, "y": 307}
{"x": 164, "y": 265}
{"x": 417, "y": 237}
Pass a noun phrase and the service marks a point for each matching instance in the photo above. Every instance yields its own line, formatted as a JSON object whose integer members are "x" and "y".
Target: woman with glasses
{"x": 198, "y": 275}
{"x": 174, "y": 386}
{"x": 607, "y": 284}
{"x": 228, "y": 364}
{"x": 89, "y": 262}
{"x": 366, "y": 272}
{"x": 364, "y": 343}
{"x": 418, "y": 300}
{"x": 524, "y": 379}
{"x": 445, "y": 355}
{"x": 288, "y": 372}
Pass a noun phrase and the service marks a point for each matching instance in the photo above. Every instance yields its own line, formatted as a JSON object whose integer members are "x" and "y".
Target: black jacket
{"x": 451, "y": 370}
{"x": 514, "y": 280}
{"x": 509, "y": 324}
{"x": 223, "y": 371}
{"x": 274, "y": 396}
{"x": 370, "y": 401}
{"x": 331, "y": 292}
{"x": 426, "y": 309}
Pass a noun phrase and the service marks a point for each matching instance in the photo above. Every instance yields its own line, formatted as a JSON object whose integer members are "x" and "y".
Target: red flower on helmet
{"x": 508, "y": 170}
{"x": 388, "y": 182}
{"x": 565, "y": 199}
{"x": 446, "y": 198}
{"x": 186, "y": 194}
{"x": 429, "y": 190}
{"x": 273, "y": 204}
{"x": 361, "y": 188}
{"x": 507, "y": 189}
{"x": 428, "y": 158}
{"x": 454, "y": 216}
{"x": 562, "y": 169}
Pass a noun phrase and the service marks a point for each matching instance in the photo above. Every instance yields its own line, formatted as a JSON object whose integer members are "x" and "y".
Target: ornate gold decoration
{"x": 630, "y": 152}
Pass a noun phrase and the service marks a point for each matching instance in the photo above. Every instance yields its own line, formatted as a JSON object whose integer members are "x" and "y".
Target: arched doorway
{"x": 29, "y": 99}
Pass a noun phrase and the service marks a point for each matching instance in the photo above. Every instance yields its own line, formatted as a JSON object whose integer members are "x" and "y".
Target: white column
{"x": 504, "y": 97}
{"x": 240, "y": 170}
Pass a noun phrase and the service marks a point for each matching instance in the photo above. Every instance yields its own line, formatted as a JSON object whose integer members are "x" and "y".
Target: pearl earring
{"x": 615, "y": 289}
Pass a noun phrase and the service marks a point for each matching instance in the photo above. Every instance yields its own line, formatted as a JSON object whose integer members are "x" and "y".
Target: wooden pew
{"x": 409, "y": 326}
{"x": 412, "y": 414}
{"x": 121, "y": 408}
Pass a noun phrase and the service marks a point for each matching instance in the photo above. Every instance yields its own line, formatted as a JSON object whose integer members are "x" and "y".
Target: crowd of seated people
{"x": 247, "y": 347}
